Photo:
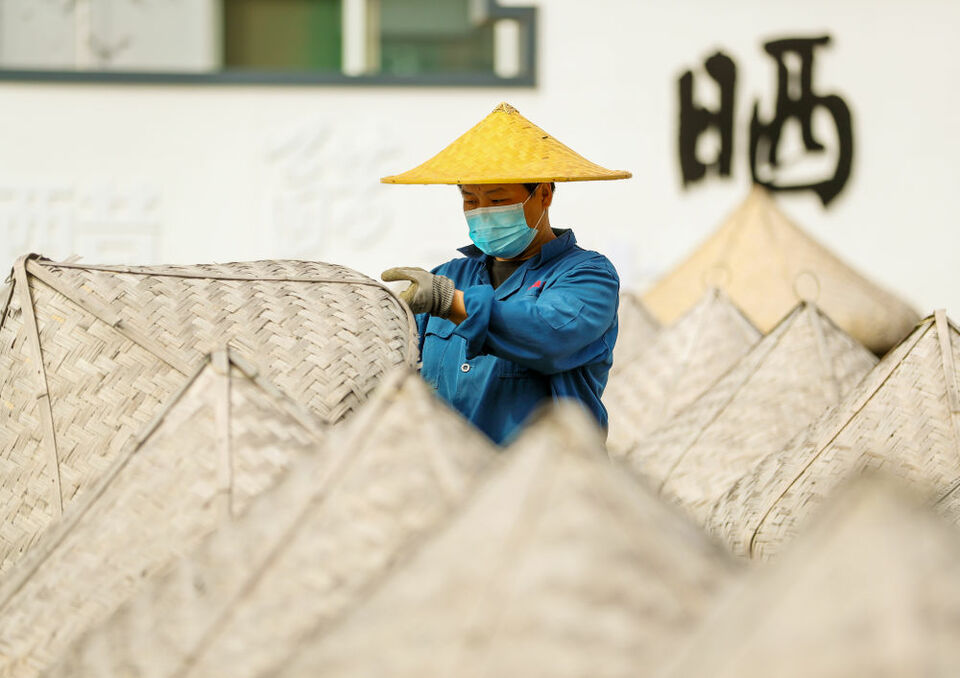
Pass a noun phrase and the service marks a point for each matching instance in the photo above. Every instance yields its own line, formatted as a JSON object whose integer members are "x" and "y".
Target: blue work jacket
{"x": 547, "y": 332}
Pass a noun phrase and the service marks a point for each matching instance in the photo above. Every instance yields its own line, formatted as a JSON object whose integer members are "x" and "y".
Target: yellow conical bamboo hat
{"x": 505, "y": 148}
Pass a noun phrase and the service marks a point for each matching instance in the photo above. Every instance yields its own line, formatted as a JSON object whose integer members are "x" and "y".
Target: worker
{"x": 525, "y": 315}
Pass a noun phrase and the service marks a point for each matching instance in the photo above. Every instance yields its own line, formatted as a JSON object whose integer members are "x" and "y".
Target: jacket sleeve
{"x": 554, "y": 332}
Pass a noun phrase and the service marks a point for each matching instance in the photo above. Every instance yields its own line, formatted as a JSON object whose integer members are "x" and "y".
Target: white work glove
{"x": 428, "y": 293}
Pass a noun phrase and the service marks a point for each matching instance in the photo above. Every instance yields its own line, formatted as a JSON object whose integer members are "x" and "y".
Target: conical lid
{"x": 904, "y": 417}
{"x": 794, "y": 374}
{"x": 684, "y": 360}
{"x": 872, "y": 590}
{"x": 637, "y": 330}
{"x": 227, "y": 436}
{"x": 767, "y": 263}
{"x": 90, "y": 354}
{"x": 560, "y": 564}
{"x": 305, "y": 551}
{"x": 505, "y": 148}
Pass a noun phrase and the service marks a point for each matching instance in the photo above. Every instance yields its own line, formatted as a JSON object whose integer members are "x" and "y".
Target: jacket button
{"x": 465, "y": 367}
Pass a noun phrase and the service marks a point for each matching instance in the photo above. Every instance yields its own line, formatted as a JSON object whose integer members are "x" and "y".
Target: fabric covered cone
{"x": 767, "y": 264}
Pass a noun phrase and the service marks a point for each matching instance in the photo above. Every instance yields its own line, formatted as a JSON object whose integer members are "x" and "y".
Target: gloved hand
{"x": 428, "y": 293}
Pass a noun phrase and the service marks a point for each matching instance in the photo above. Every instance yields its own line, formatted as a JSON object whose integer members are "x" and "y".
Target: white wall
{"x": 181, "y": 174}
{"x": 109, "y": 34}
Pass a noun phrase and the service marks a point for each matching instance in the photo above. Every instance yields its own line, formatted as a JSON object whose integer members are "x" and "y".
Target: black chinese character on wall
{"x": 695, "y": 120}
{"x": 796, "y": 100}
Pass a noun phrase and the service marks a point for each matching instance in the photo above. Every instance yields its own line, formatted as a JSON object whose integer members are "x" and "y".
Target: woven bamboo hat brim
{"x": 766, "y": 264}
{"x": 223, "y": 439}
{"x": 798, "y": 371}
{"x": 560, "y": 564}
{"x": 90, "y": 354}
{"x": 305, "y": 551}
{"x": 872, "y": 590}
{"x": 505, "y": 148}
{"x": 637, "y": 330}
{"x": 904, "y": 416}
{"x": 682, "y": 362}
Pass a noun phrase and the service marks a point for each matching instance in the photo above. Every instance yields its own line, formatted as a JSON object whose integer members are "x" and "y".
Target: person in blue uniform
{"x": 525, "y": 315}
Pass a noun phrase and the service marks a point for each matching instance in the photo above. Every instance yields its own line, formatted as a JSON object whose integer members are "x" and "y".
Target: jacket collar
{"x": 564, "y": 241}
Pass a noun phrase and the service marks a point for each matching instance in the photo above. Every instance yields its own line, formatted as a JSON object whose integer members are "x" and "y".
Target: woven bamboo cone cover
{"x": 115, "y": 343}
{"x": 223, "y": 439}
{"x": 637, "y": 330}
{"x": 798, "y": 371}
{"x": 763, "y": 257}
{"x": 904, "y": 417}
{"x": 682, "y": 362}
{"x": 560, "y": 564}
{"x": 305, "y": 551}
{"x": 871, "y": 590}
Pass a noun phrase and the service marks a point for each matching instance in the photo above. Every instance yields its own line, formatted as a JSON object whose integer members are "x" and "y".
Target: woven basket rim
{"x": 195, "y": 271}
{"x": 198, "y": 271}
